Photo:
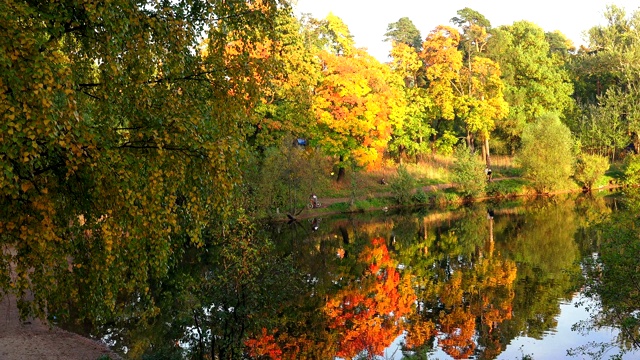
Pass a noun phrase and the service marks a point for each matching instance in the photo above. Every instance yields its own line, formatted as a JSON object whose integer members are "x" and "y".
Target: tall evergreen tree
{"x": 405, "y": 32}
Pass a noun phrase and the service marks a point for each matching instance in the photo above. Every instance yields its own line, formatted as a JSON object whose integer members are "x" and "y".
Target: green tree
{"x": 535, "y": 81}
{"x": 330, "y": 34}
{"x": 590, "y": 168}
{"x": 468, "y": 172}
{"x": 546, "y": 155}
{"x": 601, "y": 129}
{"x": 607, "y": 80}
{"x": 121, "y": 142}
{"x": 475, "y": 28}
{"x": 632, "y": 169}
{"x": 405, "y": 32}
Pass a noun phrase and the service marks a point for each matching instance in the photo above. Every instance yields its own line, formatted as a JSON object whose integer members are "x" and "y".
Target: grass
{"x": 370, "y": 194}
{"x": 366, "y": 185}
{"x": 505, "y": 166}
{"x": 508, "y": 188}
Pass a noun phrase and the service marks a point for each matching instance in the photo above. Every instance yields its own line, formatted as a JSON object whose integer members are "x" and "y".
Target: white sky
{"x": 368, "y": 19}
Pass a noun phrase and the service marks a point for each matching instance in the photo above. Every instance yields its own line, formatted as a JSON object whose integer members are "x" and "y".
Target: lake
{"x": 503, "y": 280}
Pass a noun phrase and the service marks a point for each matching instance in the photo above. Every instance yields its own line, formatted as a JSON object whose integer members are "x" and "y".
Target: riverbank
{"x": 31, "y": 339}
{"x": 437, "y": 197}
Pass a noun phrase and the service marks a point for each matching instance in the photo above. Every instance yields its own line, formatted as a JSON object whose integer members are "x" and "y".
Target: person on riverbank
{"x": 314, "y": 201}
{"x": 488, "y": 172}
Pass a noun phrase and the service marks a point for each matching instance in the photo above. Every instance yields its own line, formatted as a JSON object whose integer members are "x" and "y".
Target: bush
{"x": 420, "y": 197}
{"x": 546, "y": 155}
{"x": 632, "y": 169}
{"x": 445, "y": 198}
{"x": 506, "y": 188}
{"x": 590, "y": 168}
{"x": 468, "y": 173}
{"x": 402, "y": 185}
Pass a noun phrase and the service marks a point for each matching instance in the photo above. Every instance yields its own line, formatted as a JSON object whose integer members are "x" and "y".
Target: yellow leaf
{"x": 25, "y": 186}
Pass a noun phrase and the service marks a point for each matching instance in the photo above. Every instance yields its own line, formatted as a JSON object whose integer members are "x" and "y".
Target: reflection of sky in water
{"x": 555, "y": 344}
{"x": 552, "y": 346}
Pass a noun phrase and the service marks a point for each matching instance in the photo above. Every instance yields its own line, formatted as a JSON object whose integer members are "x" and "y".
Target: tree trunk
{"x": 470, "y": 142}
{"x": 488, "y": 152}
{"x": 341, "y": 170}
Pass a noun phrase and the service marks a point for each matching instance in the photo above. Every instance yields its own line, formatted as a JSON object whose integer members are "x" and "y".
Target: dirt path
{"x": 32, "y": 339}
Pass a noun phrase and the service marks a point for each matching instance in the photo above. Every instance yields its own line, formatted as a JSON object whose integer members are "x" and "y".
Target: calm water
{"x": 492, "y": 281}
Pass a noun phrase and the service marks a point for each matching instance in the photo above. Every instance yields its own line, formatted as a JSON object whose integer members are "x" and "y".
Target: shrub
{"x": 445, "y": 198}
{"x": 402, "y": 185}
{"x": 589, "y": 168}
{"x": 468, "y": 172}
{"x": 632, "y": 169}
{"x": 546, "y": 154}
{"x": 420, "y": 197}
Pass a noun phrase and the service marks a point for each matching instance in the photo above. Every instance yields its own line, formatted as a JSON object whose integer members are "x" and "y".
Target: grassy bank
{"x": 432, "y": 186}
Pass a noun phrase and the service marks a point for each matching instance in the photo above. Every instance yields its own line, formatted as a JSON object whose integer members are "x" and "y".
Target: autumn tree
{"x": 442, "y": 62}
{"x": 356, "y": 103}
{"x": 472, "y": 93}
{"x": 411, "y": 136}
{"x": 121, "y": 142}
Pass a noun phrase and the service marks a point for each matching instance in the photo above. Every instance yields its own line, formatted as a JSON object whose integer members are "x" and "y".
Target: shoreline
{"x": 312, "y": 213}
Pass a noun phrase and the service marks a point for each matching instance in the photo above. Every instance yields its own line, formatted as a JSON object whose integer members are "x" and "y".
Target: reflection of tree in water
{"x": 470, "y": 291}
{"x": 465, "y": 288}
{"x": 368, "y": 312}
{"x": 318, "y": 294}
{"x": 613, "y": 280}
{"x": 542, "y": 243}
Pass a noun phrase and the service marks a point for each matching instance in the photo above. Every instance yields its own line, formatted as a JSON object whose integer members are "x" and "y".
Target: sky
{"x": 368, "y": 19}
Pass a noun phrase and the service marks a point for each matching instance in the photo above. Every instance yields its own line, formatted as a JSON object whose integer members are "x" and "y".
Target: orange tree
{"x": 356, "y": 102}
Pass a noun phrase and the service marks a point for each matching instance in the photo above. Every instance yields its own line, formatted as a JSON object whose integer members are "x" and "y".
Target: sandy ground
{"x": 31, "y": 339}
